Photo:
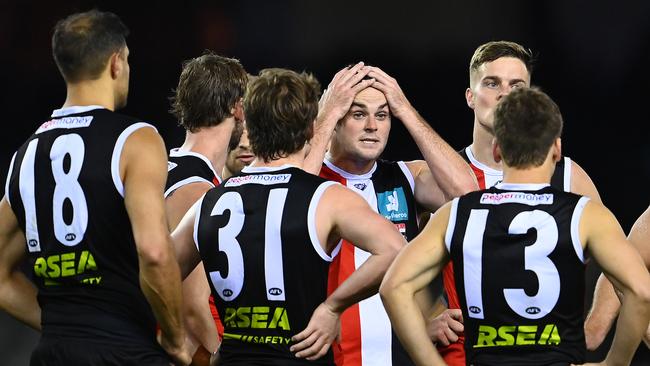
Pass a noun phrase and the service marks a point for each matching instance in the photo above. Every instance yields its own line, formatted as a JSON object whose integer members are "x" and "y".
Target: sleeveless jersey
{"x": 454, "y": 354}
{"x": 185, "y": 167}
{"x": 366, "y": 334}
{"x": 256, "y": 234}
{"x": 65, "y": 188}
{"x": 519, "y": 271}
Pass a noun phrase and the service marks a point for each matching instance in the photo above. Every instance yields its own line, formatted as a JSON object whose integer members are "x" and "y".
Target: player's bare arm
{"x": 333, "y": 105}
{"x": 17, "y": 293}
{"x": 342, "y": 213}
{"x": 195, "y": 288}
{"x": 582, "y": 184}
{"x": 143, "y": 171}
{"x": 443, "y": 174}
{"x": 413, "y": 269}
{"x": 606, "y": 304}
{"x": 624, "y": 267}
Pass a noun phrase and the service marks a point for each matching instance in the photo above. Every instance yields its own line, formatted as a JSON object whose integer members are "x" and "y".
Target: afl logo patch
{"x": 275, "y": 291}
{"x": 227, "y": 292}
{"x": 474, "y": 309}
{"x": 533, "y": 310}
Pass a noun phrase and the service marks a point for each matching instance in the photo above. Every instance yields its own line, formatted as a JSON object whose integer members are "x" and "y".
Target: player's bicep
{"x": 606, "y": 241}
{"x": 427, "y": 192}
{"x": 182, "y": 199}
{"x": 183, "y": 239}
{"x": 355, "y": 221}
{"x": 640, "y": 236}
{"x": 582, "y": 184}
{"x": 145, "y": 171}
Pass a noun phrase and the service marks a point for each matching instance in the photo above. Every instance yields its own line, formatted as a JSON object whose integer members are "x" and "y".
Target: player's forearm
{"x": 602, "y": 314}
{"x": 323, "y": 129}
{"x": 18, "y": 299}
{"x": 631, "y": 325}
{"x": 409, "y": 325}
{"x": 196, "y": 310}
{"x": 160, "y": 283}
{"x": 363, "y": 283}
{"x": 451, "y": 172}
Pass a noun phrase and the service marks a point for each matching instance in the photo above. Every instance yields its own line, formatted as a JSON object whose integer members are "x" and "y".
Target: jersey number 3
{"x": 535, "y": 260}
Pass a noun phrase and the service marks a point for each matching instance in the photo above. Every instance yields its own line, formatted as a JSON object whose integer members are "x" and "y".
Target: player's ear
{"x": 115, "y": 64}
{"x": 557, "y": 149}
{"x": 496, "y": 151}
{"x": 469, "y": 97}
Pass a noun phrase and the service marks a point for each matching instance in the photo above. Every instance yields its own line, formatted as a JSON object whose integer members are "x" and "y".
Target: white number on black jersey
{"x": 230, "y": 286}
{"x": 66, "y": 188}
{"x": 535, "y": 260}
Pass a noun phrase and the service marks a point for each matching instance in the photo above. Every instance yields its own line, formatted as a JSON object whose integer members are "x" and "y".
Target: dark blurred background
{"x": 593, "y": 60}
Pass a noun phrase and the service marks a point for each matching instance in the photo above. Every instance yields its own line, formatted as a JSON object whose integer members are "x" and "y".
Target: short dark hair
{"x": 82, "y": 43}
{"x": 493, "y": 50}
{"x": 208, "y": 88}
{"x": 526, "y": 124}
{"x": 280, "y": 106}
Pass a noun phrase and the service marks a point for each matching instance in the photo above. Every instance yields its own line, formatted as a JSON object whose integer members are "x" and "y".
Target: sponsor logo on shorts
{"x": 171, "y": 165}
{"x": 530, "y": 199}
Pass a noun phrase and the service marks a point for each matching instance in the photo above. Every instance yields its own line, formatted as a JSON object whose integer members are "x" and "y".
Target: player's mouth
{"x": 369, "y": 140}
{"x": 246, "y": 158}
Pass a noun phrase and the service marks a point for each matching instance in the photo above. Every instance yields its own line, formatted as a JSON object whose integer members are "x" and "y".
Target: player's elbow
{"x": 155, "y": 253}
{"x": 391, "y": 288}
{"x": 640, "y": 290}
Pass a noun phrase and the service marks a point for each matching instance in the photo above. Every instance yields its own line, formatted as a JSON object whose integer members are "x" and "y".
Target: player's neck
{"x": 348, "y": 163}
{"x": 296, "y": 159}
{"x": 533, "y": 175}
{"x": 90, "y": 92}
{"x": 211, "y": 142}
{"x": 482, "y": 147}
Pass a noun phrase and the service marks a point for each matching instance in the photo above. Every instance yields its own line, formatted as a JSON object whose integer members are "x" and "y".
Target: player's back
{"x": 519, "y": 273}
{"x": 65, "y": 189}
{"x": 268, "y": 272}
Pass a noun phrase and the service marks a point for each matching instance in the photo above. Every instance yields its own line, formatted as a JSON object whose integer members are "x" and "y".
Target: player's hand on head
{"x": 313, "y": 342}
{"x": 337, "y": 98}
{"x": 446, "y": 327}
{"x": 397, "y": 101}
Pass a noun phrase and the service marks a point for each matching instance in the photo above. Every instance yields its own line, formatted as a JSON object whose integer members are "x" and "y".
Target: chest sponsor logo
{"x": 530, "y": 199}
{"x": 66, "y": 122}
{"x": 171, "y": 165}
{"x": 392, "y": 205}
{"x": 263, "y": 179}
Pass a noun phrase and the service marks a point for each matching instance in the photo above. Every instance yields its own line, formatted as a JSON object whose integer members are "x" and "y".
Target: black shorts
{"x": 53, "y": 351}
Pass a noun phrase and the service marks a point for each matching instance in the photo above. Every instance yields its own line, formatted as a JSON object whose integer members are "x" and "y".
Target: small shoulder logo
{"x": 171, "y": 165}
